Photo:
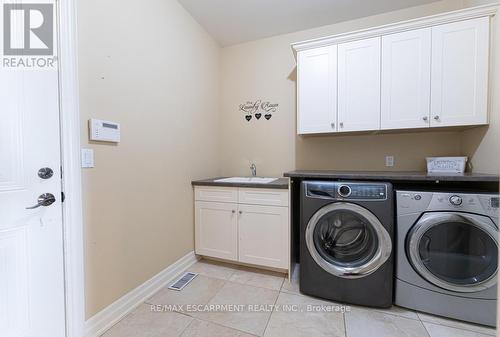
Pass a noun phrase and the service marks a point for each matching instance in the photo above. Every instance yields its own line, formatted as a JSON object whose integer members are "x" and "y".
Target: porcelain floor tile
{"x": 436, "y": 330}
{"x": 201, "y": 290}
{"x": 398, "y": 311}
{"x": 199, "y": 328}
{"x": 258, "y": 278}
{"x": 301, "y": 316}
{"x": 213, "y": 269}
{"x": 145, "y": 323}
{"x": 241, "y": 307}
{"x": 367, "y": 322}
{"x": 456, "y": 324}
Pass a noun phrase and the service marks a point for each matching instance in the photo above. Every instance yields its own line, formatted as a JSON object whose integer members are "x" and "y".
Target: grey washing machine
{"x": 447, "y": 254}
{"x": 346, "y": 245}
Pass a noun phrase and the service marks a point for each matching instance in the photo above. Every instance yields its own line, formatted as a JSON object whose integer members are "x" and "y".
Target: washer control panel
{"x": 346, "y": 191}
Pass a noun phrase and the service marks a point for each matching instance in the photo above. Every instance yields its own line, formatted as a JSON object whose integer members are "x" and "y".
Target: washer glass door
{"x": 455, "y": 251}
{"x": 347, "y": 240}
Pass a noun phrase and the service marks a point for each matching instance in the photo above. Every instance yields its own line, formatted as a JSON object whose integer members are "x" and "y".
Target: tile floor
{"x": 246, "y": 302}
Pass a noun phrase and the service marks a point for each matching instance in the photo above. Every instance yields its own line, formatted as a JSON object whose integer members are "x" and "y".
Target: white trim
{"x": 112, "y": 314}
{"x": 71, "y": 168}
{"x": 429, "y": 21}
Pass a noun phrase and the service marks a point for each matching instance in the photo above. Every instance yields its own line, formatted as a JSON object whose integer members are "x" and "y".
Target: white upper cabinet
{"x": 359, "y": 85}
{"x": 317, "y": 90}
{"x": 406, "y": 79}
{"x": 426, "y": 73}
{"x": 460, "y": 53}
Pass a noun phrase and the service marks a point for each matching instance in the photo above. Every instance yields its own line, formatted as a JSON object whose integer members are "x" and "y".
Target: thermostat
{"x": 104, "y": 131}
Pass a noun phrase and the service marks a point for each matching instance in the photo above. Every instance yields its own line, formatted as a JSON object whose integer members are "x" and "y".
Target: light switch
{"x": 87, "y": 158}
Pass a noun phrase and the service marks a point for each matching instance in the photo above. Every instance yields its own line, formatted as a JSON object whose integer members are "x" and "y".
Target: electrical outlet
{"x": 389, "y": 161}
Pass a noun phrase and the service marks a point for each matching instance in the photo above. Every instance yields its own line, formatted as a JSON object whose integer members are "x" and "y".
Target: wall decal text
{"x": 257, "y": 108}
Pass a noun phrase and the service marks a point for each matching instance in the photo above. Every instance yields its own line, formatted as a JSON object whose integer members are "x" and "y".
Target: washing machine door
{"x": 455, "y": 251}
{"x": 347, "y": 240}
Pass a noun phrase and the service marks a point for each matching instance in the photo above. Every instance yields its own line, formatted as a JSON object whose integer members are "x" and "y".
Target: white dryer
{"x": 447, "y": 254}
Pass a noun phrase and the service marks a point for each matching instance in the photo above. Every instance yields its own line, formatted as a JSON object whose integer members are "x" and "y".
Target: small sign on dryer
{"x": 104, "y": 131}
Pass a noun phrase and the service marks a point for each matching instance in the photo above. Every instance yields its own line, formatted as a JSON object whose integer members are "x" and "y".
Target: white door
{"x": 317, "y": 90}
{"x": 406, "y": 79}
{"x": 216, "y": 230}
{"x": 263, "y": 235}
{"x": 359, "y": 85}
{"x": 460, "y": 53}
{"x": 31, "y": 240}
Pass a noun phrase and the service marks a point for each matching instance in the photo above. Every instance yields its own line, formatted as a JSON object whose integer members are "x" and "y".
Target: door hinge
{"x": 63, "y": 197}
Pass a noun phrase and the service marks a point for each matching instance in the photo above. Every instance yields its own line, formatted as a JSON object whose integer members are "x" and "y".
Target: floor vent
{"x": 183, "y": 281}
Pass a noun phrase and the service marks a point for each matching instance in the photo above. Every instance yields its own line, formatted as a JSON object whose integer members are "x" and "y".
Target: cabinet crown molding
{"x": 418, "y": 23}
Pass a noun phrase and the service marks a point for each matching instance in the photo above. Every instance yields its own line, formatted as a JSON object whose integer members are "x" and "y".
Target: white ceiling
{"x": 235, "y": 21}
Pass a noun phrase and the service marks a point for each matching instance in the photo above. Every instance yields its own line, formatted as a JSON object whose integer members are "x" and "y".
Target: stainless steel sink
{"x": 246, "y": 180}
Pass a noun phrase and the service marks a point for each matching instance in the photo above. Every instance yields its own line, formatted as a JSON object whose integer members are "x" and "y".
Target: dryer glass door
{"x": 347, "y": 240}
{"x": 455, "y": 251}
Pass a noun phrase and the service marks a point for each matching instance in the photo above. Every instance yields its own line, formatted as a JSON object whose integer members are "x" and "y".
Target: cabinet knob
{"x": 241, "y": 212}
{"x": 425, "y": 118}
{"x": 333, "y": 125}
{"x": 233, "y": 211}
{"x": 436, "y": 117}
{"x": 341, "y": 124}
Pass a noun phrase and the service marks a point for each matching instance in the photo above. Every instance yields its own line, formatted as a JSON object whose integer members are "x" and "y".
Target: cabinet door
{"x": 263, "y": 235}
{"x": 216, "y": 230}
{"x": 359, "y": 85}
{"x": 406, "y": 79}
{"x": 459, "y": 84}
{"x": 317, "y": 90}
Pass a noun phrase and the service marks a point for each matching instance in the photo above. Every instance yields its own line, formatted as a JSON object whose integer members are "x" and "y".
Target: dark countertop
{"x": 393, "y": 176}
{"x": 281, "y": 183}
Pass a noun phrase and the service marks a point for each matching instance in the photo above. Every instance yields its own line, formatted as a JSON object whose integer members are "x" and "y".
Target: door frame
{"x": 71, "y": 169}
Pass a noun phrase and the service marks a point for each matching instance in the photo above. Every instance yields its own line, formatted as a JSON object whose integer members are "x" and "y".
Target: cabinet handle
{"x": 341, "y": 124}
{"x": 333, "y": 125}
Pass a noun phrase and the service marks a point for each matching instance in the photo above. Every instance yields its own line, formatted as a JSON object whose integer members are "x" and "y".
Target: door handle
{"x": 45, "y": 200}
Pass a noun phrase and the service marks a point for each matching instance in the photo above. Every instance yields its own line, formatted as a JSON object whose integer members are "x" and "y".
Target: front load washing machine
{"x": 346, "y": 242}
{"x": 447, "y": 254}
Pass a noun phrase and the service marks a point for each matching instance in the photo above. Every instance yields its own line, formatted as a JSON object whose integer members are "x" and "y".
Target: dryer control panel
{"x": 487, "y": 204}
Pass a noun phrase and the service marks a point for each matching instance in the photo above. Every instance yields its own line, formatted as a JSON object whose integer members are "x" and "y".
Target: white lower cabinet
{"x": 216, "y": 230}
{"x": 241, "y": 230}
{"x": 263, "y": 235}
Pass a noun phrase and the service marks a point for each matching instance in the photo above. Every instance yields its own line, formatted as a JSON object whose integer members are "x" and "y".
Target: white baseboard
{"x": 109, "y": 316}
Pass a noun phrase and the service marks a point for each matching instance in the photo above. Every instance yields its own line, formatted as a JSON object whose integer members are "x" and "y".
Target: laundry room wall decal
{"x": 258, "y": 109}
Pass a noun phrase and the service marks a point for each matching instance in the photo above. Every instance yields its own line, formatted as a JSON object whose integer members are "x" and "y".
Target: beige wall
{"x": 265, "y": 69}
{"x": 153, "y": 69}
{"x": 483, "y": 144}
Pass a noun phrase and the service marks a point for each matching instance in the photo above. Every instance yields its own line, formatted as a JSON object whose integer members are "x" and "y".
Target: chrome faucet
{"x": 253, "y": 168}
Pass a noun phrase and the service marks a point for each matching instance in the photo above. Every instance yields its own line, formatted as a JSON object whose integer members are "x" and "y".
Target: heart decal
{"x": 258, "y": 115}
{"x": 268, "y": 116}
{"x": 248, "y": 117}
